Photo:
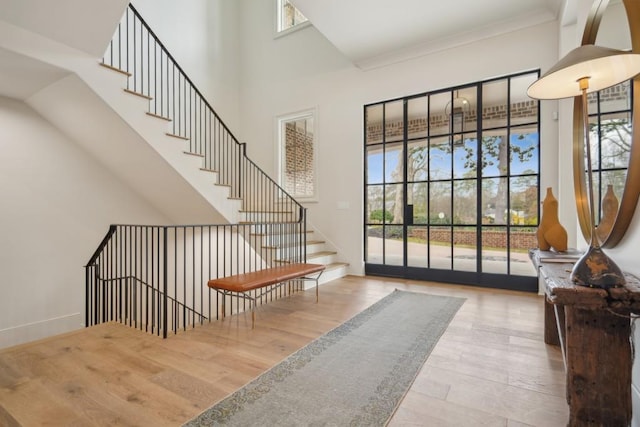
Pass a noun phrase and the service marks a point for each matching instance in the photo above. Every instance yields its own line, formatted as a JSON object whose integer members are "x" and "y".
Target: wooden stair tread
{"x": 141, "y": 95}
{"x": 116, "y": 69}
{"x": 158, "y": 116}
{"x": 189, "y": 153}
{"x": 208, "y": 170}
{"x": 173, "y": 135}
{"x": 320, "y": 254}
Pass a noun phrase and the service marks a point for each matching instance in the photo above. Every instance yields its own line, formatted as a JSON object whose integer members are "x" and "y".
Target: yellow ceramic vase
{"x": 551, "y": 234}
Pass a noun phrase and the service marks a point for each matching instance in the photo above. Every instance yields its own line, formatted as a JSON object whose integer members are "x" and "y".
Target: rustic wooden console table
{"x": 593, "y": 328}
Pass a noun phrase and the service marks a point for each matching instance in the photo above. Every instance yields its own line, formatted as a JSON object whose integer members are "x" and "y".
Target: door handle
{"x": 408, "y": 215}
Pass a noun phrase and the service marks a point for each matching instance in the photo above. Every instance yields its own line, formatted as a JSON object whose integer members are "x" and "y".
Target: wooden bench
{"x": 239, "y": 285}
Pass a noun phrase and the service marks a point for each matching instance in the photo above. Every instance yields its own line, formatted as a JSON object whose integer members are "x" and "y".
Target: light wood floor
{"x": 491, "y": 366}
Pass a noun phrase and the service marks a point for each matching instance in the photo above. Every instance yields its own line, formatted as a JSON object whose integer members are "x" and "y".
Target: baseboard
{"x": 37, "y": 330}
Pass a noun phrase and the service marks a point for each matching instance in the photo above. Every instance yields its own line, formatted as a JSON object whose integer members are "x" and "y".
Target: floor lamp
{"x": 586, "y": 69}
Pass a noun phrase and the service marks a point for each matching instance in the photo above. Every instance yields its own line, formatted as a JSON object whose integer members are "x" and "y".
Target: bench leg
{"x": 317, "y": 280}
{"x": 253, "y": 318}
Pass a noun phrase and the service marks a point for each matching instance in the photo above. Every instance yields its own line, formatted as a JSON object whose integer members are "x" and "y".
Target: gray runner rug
{"x": 356, "y": 374}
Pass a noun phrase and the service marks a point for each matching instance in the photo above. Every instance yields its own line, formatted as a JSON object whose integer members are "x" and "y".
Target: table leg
{"x": 550, "y": 328}
{"x": 598, "y": 367}
{"x": 562, "y": 332}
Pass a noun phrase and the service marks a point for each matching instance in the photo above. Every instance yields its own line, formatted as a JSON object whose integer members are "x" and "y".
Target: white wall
{"x": 57, "y": 203}
{"x": 303, "y": 70}
{"x": 202, "y": 36}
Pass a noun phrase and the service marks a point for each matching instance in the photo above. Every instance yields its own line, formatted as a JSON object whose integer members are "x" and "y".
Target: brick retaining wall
{"x": 490, "y": 238}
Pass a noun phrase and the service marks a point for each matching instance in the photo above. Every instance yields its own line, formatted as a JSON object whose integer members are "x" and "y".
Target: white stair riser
{"x": 275, "y": 240}
{"x": 270, "y": 235}
{"x": 268, "y": 216}
{"x": 334, "y": 273}
{"x": 281, "y": 253}
{"x": 327, "y": 276}
{"x": 327, "y": 259}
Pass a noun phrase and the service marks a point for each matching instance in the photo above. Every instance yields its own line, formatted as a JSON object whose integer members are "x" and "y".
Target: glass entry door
{"x": 451, "y": 185}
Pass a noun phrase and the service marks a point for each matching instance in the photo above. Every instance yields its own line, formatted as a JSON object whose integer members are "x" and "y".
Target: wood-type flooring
{"x": 490, "y": 368}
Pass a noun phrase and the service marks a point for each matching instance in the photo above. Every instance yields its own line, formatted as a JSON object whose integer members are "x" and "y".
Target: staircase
{"x": 273, "y": 247}
{"x": 138, "y": 112}
{"x": 189, "y": 119}
{"x": 318, "y": 252}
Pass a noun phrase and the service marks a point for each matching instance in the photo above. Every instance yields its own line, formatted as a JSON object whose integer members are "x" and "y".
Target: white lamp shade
{"x": 603, "y": 66}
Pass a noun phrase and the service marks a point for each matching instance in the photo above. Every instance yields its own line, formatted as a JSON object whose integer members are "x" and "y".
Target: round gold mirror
{"x": 620, "y": 186}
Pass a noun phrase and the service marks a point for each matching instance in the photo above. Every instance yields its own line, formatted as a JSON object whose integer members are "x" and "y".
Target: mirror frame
{"x": 631, "y": 193}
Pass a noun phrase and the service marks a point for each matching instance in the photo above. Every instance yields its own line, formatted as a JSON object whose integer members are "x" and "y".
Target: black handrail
{"x": 186, "y": 77}
{"x": 156, "y": 275}
{"x": 154, "y": 290}
{"x": 105, "y": 240}
{"x": 155, "y": 73}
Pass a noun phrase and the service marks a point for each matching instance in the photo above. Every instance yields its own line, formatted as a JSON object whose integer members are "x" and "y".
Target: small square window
{"x": 289, "y": 17}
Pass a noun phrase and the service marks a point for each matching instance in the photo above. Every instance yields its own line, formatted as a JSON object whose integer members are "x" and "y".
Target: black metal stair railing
{"x": 154, "y": 278}
{"x": 172, "y": 95}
